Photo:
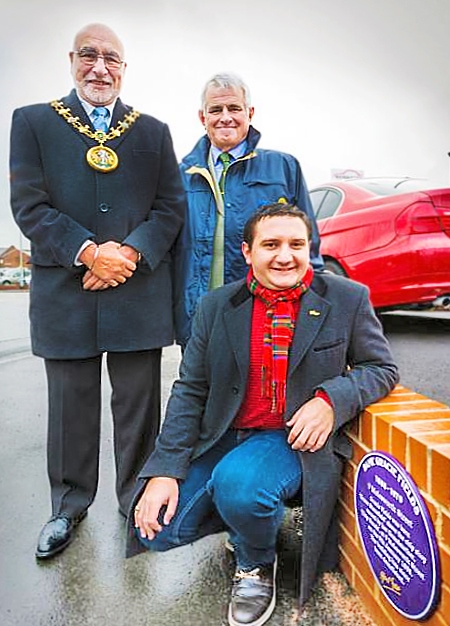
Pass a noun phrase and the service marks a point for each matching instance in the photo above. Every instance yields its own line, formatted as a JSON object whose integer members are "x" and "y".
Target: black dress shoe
{"x": 56, "y": 535}
{"x": 253, "y": 596}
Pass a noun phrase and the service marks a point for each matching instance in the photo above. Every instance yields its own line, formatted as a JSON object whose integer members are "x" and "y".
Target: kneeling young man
{"x": 276, "y": 366}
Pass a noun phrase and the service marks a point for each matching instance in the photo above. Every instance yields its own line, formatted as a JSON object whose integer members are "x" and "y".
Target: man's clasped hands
{"x": 110, "y": 264}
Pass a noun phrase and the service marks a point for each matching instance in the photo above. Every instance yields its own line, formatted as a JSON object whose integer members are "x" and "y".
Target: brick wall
{"x": 11, "y": 257}
{"x": 416, "y": 430}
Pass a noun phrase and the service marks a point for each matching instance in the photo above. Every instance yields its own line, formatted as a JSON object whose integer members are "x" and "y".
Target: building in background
{"x": 15, "y": 267}
{"x": 13, "y": 257}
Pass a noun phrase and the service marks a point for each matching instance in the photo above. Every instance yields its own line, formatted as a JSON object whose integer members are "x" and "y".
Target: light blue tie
{"x": 100, "y": 117}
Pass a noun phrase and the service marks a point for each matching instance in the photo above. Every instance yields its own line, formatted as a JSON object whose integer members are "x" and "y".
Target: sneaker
{"x": 253, "y": 596}
{"x": 229, "y": 546}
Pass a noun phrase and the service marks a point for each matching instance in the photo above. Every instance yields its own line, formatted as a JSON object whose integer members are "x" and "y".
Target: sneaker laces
{"x": 254, "y": 573}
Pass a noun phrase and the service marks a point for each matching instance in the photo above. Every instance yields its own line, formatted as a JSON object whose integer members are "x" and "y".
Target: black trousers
{"x": 73, "y": 446}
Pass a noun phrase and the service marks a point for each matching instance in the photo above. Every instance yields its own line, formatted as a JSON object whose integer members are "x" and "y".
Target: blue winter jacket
{"x": 259, "y": 177}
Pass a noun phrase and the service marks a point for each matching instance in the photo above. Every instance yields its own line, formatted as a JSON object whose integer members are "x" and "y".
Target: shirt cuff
{"x": 87, "y": 243}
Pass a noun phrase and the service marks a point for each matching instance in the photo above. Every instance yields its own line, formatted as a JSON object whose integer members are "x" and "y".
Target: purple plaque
{"x": 397, "y": 535}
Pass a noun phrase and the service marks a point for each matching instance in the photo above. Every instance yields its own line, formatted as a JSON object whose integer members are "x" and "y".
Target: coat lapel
{"x": 77, "y": 110}
{"x": 313, "y": 312}
{"x": 119, "y": 112}
{"x": 237, "y": 321}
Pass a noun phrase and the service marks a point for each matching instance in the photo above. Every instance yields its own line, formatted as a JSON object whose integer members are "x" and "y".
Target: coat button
{"x": 235, "y": 390}
{"x": 104, "y": 208}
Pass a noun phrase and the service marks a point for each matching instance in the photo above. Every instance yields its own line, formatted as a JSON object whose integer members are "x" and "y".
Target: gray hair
{"x": 225, "y": 81}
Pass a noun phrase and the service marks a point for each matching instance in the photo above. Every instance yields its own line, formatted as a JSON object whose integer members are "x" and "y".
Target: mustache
{"x": 97, "y": 81}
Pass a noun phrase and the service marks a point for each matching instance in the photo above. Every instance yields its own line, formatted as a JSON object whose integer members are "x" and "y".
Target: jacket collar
{"x": 313, "y": 313}
{"x": 119, "y": 112}
{"x": 199, "y": 155}
{"x": 314, "y": 310}
{"x": 318, "y": 285}
{"x": 241, "y": 295}
{"x": 238, "y": 321}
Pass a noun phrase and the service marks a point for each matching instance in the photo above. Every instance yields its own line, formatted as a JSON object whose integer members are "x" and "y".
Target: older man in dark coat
{"x": 275, "y": 368}
{"x": 95, "y": 187}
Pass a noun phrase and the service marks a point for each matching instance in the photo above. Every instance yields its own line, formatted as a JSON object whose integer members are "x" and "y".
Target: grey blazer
{"x": 338, "y": 346}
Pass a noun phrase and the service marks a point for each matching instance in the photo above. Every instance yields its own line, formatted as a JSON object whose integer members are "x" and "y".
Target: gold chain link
{"x": 98, "y": 135}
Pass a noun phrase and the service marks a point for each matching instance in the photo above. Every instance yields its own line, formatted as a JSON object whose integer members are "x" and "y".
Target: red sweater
{"x": 255, "y": 411}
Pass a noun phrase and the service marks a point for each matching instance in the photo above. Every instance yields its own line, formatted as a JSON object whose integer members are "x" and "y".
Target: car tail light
{"x": 442, "y": 203}
{"x": 423, "y": 217}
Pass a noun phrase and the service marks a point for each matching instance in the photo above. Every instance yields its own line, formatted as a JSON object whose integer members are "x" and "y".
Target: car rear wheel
{"x": 334, "y": 267}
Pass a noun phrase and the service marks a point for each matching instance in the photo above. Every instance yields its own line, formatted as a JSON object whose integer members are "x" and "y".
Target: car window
{"x": 330, "y": 204}
{"x": 325, "y": 202}
{"x": 317, "y": 197}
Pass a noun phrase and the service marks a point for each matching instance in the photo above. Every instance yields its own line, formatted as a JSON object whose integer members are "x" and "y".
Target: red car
{"x": 392, "y": 234}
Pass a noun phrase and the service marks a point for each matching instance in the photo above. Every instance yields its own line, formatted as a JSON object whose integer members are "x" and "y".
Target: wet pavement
{"x": 91, "y": 582}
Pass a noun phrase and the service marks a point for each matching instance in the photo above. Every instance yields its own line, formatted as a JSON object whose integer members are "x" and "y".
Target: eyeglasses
{"x": 89, "y": 56}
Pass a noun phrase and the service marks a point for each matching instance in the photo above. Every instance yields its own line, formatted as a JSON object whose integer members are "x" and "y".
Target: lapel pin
{"x": 314, "y": 312}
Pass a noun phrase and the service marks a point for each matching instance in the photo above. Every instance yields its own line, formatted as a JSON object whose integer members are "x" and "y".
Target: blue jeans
{"x": 239, "y": 485}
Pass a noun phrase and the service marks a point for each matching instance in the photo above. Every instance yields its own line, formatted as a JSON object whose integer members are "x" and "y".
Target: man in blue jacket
{"x": 226, "y": 179}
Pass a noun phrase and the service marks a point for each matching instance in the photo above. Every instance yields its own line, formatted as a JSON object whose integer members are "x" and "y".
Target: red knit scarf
{"x": 278, "y": 333}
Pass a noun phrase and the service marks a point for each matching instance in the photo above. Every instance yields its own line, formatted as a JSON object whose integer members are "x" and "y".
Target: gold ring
{"x": 136, "y": 508}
